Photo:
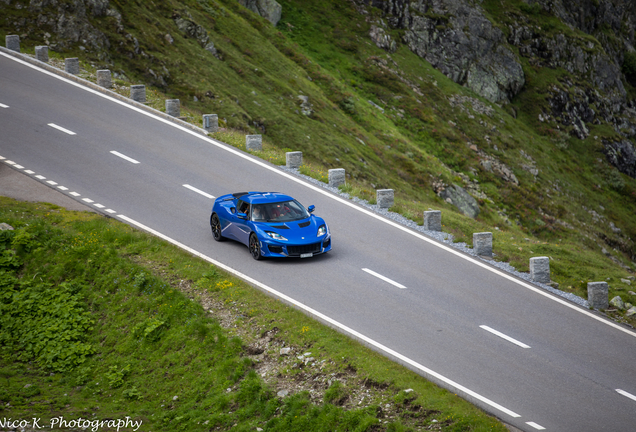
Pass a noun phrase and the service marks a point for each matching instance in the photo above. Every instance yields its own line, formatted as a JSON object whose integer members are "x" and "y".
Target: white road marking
{"x": 384, "y": 278}
{"x": 41, "y": 177}
{"x": 10, "y": 162}
{"x": 29, "y": 172}
{"x": 88, "y": 200}
{"x": 428, "y": 373}
{"x": 192, "y": 188}
{"x": 101, "y": 206}
{"x": 129, "y": 159}
{"x": 64, "y": 188}
{"x": 60, "y": 128}
{"x": 4, "y": 106}
{"x": 51, "y": 182}
{"x": 536, "y": 426}
{"x": 18, "y": 166}
{"x": 624, "y": 393}
{"x": 111, "y": 211}
{"x": 501, "y": 335}
{"x": 75, "y": 194}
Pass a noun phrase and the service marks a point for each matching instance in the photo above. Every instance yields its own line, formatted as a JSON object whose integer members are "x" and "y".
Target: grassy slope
{"x": 177, "y": 344}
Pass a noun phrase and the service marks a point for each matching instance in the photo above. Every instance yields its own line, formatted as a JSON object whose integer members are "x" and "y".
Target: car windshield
{"x": 279, "y": 212}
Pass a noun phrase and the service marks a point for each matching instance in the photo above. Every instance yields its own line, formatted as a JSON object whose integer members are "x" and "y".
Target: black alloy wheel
{"x": 215, "y": 225}
{"x": 255, "y": 247}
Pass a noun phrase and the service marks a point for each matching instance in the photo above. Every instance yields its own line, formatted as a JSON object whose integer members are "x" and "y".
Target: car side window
{"x": 243, "y": 207}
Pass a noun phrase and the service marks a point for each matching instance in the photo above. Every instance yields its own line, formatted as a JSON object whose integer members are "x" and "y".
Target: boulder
{"x": 458, "y": 197}
{"x": 617, "y": 302}
{"x": 271, "y": 10}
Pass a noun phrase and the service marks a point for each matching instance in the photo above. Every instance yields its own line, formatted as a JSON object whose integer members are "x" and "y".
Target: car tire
{"x": 255, "y": 247}
{"x": 215, "y": 225}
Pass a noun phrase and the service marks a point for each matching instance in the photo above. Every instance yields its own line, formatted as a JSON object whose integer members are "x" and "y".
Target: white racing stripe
{"x": 192, "y": 188}
{"x": 330, "y": 321}
{"x": 123, "y": 156}
{"x": 503, "y": 336}
{"x": 384, "y": 278}
{"x": 60, "y": 128}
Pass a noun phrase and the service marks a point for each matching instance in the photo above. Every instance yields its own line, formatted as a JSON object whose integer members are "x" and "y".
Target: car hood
{"x": 300, "y": 231}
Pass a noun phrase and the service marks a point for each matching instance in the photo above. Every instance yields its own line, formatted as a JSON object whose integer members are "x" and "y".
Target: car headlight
{"x": 275, "y": 236}
{"x": 322, "y": 230}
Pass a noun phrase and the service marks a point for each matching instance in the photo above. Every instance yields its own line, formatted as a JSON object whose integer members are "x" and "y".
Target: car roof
{"x": 264, "y": 197}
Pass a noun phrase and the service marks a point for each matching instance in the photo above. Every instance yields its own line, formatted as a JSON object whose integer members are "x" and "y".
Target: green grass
{"x": 175, "y": 343}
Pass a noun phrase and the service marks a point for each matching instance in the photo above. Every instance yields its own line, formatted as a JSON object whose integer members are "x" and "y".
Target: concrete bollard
{"x": 433, "y": 220}
{"x": 12, "y": 42}
{"x": 138, "y": 93}
{"x": 384, "y": 198}
{"x": 103, "y": 78}
{"x": 540, "y": 269}
{"x": 598, "y": 295}
{"x": 210, "y": 123}
{"x": 42, "y": 53}
{"x": 254, "y": 142}
{"x": 71, "y": 65}
{"x": 482, "y": 244}
{"x": 336, "y": 177}
{"x": 173, "y": 107}
{"x": 294, "y": 159}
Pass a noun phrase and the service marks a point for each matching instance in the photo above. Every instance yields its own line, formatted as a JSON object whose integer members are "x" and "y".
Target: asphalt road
{"x": 532, "y": 359}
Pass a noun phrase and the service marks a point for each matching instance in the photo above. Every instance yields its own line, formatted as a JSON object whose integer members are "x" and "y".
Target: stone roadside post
{"x": 540, "y": 269}
{"x": 254, "y": 142}
{"x": 138, "y": 93}
{"x": 211, "y": 123}
{"x": 433, "y": 220}
{"x": 173, "y": 107}
{"x": 42, "y": 53}
{"x": 294, "y": 159}
{"x": 598, "y": 295}
{"x": 384, "y": 198}
{"x": 336, "y": 177}
{"x": 12, "y": 42}
{"x": 482, "y": 244}
{"x": 103, "y": 78}
{"x": 71, "y": 65}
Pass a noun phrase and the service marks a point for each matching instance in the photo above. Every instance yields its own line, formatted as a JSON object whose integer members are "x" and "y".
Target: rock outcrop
{"x": 271, "y": 10}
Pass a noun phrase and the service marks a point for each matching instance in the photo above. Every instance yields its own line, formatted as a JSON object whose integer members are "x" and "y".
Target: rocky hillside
{"x": 512, "y": 116}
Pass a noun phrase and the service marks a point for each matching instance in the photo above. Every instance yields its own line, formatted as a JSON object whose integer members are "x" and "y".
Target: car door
{"x": 240, "y": 228}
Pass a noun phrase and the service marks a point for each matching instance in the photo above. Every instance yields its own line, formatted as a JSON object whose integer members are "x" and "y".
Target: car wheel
{"x": 215, "y": 225}
{"x": 255, "y": 247}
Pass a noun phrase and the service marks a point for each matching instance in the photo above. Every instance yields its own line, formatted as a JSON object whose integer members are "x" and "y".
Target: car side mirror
{"x": 311, "y": 208}
{"x": 241, "y": 215}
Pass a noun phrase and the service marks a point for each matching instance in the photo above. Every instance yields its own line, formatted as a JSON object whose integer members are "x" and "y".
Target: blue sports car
{"x": 270, "y": 224}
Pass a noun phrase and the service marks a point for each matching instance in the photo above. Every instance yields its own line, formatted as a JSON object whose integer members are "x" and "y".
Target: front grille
{"x": 304, "y": 224}
{"x": 297, "y": 250}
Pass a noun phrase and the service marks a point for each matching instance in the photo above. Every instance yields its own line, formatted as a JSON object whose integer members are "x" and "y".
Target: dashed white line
{"x": 123, "y": 156}
{"x": 10, "y": 162}
{"x": 18, "y": 166}
{"x": 88, "y": 200}
{"x": 506, "y": 337}
{"x": 60, "y": 128}
{"x": 4, "y": 106}
{"x": 111, "y": 211}
{"x": 64, "y": 188}
{"x": 536, "y": 426}
{"x": 384, "y": 278}
{"x": 192, "y": 188}
{"x": 75, "y": 194}
{"x": 624, "y": 393}
{"x": 29, "y": 172}
{"x": 101, "y": 206}
{"x": 51, "y": 182}
{"x": 41, "y": 177}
